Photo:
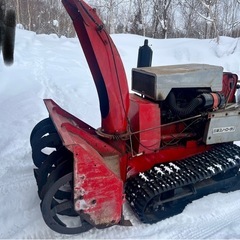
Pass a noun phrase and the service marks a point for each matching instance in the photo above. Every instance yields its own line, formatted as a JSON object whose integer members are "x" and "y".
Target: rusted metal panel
{"x": 98, "y": 192}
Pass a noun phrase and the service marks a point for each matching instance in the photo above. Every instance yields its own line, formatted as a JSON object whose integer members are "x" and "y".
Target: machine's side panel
{"x": 98, "y": 192}
{"x": 222, "y": 126}
{"x": 145, "y": 124}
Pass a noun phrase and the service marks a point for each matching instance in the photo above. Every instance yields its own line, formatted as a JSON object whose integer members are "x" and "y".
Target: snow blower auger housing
{"x": 160, "y": 148}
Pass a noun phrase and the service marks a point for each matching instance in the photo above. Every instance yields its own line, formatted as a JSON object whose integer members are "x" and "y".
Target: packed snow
{"x": 50, "y": 67}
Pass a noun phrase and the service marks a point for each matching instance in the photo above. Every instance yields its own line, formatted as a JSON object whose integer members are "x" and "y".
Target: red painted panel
{"x": 145, "y": 120}
{"x": 98, "y": 193}
{"x": 145, "y": 162}
{"x": 67, "y": 126}
{"x": 229, "y": 86}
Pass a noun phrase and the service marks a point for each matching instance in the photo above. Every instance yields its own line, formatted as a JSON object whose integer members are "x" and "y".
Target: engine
{"x": 196, "y": 101}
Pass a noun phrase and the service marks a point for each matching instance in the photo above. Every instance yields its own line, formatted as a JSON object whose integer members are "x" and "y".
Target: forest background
{"x": 202, "y": 19}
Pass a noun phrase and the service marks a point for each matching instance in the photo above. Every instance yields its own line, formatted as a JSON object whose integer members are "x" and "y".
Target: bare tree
{"x": 152, "y": 18}
{"x": 161, "y": 17}
{"x": 230, "y": 18}
{"x": 18, "y": 10}
{"x": 141, "y": 23}
{"x": 201, "y": 18}
{"x": 32, "y": 15}
{"x": 189, "y": 19}
{"x": 108, "y": 10}
{"x": 210, "y": 16}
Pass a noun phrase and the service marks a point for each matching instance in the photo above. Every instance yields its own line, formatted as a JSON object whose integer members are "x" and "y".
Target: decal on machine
{"x": 224, "y": 129}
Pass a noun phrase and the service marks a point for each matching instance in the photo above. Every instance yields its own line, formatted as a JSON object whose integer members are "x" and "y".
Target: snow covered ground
{"x": 52, "y": 67}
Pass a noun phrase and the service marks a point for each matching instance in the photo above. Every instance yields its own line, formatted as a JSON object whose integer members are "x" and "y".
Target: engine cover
{"x": 222, "y": 126}
{"x": 157, "y": 82}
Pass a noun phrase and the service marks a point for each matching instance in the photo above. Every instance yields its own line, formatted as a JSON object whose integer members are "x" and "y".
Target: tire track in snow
{"x": 67, "y": 91}
{"x": 208, "y": 227}
{"x": 50, "y": 88}
{"x": 39, "y": 69}
{"x": 40, "y": 74}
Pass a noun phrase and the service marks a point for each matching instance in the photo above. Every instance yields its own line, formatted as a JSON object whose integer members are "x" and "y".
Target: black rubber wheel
{"x": 44, "y": 124}
{"x": 9, "y": 37}
{"x": 52, "y": 210}
{"x": 51, "y": 141}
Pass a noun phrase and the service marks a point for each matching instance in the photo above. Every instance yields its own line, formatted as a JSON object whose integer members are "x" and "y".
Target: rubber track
{"x": 168, "y": 176}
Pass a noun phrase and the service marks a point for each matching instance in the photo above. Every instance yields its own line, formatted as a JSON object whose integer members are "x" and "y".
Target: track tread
{"x": 163, "y": 178}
